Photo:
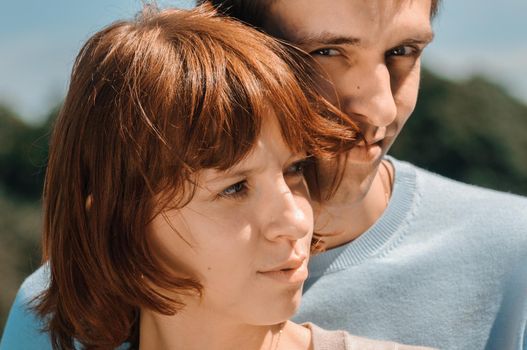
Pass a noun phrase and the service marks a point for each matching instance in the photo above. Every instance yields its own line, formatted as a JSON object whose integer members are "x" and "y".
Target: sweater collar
{"x": 383, "y": 236}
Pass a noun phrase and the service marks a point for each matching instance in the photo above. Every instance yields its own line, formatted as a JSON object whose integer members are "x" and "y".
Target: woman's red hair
{"x": 151, "y": 101}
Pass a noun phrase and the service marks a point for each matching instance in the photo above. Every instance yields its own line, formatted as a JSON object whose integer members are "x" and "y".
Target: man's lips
{"x": 366, "y": 153}
{"x": 376, "y": 141}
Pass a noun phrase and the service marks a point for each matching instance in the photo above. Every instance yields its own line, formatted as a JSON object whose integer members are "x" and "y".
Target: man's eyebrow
{"x": 421, "y": 38}
{"x": 326, "y": 38}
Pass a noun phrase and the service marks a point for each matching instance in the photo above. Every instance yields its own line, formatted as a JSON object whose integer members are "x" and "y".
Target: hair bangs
{"x": 233, "y": 89}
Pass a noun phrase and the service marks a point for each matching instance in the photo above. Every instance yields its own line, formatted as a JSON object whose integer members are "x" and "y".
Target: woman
{"x": 177, "y": 212}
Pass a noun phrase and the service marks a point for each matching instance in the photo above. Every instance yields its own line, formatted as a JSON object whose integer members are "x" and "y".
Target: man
{"x": 410, "y": 256}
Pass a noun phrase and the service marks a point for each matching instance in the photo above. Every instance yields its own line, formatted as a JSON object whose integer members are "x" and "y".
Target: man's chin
{"x": 366, "y": 155}
{"x": 361, "y": 166}
{"x": 356, "y": 183}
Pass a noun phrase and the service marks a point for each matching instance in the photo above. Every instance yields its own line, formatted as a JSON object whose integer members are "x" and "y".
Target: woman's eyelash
{"x": 240, "y": 189}
{"x": 298, "y": 168}
{"x": 234, "y": 191}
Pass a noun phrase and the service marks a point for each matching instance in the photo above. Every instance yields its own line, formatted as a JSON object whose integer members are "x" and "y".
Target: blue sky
{"x": 40, "y": 39}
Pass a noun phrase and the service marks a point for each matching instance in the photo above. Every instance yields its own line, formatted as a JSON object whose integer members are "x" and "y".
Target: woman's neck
{"x": 189, "y": 331}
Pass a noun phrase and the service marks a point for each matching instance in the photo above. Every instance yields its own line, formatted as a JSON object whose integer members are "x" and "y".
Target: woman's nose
{"x": 286, "y": 214}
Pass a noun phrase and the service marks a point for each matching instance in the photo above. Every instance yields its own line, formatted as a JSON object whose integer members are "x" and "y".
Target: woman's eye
{"x": 297, "y": 168}
{"x": 325, "y": 52}
{"x": 234, "y": 191}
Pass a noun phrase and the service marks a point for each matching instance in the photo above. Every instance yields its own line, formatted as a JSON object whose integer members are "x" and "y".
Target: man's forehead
{"x": 342, "y": 21}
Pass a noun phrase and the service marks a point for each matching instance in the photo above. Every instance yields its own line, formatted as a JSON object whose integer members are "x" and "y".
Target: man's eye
{"x": 236, "y": 190}
{"x": 402, "y": 51}
{"x": 325, "y": 52}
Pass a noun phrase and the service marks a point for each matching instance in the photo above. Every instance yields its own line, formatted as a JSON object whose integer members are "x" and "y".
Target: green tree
{"x": 23, "y": 155}
{"x": 472, "y": 131}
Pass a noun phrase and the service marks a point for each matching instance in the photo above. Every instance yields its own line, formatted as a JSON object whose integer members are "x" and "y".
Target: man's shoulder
{"x": 498, "y": 219}
{"x": 453, "y": 191}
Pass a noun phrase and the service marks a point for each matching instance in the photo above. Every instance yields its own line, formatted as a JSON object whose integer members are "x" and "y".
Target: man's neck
{"x": 344, "y": 222}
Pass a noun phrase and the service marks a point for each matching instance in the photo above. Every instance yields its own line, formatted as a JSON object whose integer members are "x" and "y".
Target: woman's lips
{"x": 291, "y": 272}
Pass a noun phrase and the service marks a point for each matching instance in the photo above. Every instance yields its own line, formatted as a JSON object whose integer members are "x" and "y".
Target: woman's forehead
{"x": 268, "y": 148}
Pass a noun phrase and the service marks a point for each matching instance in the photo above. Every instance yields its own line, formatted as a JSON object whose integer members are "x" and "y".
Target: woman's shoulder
{"x": 342, "y": 340}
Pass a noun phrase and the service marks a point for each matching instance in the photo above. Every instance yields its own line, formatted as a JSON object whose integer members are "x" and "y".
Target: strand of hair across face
{"x": 387, "y": 184}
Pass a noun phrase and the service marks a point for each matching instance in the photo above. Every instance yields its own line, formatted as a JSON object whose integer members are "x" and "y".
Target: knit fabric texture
{"x": 445, "y": 266}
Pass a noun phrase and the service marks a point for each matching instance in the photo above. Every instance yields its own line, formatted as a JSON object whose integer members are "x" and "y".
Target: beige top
{"x": 342, "y": 340}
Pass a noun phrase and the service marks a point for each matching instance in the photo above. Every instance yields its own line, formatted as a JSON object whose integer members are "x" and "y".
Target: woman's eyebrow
{"x": 231, "y": 173}
{"x": 224, "y": 176}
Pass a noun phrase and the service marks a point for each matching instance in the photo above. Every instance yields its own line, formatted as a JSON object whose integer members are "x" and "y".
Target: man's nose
{"x": 285, "y": 214}
{"x": 366, "y": 96}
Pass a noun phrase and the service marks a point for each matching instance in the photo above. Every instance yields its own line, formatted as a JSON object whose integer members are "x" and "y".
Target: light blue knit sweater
{"x": 445, "y": 266}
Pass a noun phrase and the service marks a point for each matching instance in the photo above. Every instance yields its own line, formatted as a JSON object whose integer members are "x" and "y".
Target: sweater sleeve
{"x": 23, "y": 328}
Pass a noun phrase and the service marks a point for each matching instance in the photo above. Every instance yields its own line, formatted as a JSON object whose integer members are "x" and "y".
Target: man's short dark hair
{"x": 254, "y": 12}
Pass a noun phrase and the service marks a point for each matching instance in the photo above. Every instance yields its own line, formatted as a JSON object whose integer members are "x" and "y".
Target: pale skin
{"x": 245, "y": 236}
{"x": 370, "y": 52}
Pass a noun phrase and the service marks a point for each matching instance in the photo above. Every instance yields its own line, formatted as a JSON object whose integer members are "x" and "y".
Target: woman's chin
{"x": 278, "y": 311}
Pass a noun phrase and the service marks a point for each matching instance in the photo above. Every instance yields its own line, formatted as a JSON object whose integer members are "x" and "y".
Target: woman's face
{"x": 245, "y": 234}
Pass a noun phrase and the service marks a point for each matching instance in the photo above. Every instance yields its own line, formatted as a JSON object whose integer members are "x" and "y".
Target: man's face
{"x": 370, "y": 51}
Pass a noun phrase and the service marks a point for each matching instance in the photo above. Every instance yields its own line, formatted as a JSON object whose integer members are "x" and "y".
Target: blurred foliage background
{"x": 472, "y": 131}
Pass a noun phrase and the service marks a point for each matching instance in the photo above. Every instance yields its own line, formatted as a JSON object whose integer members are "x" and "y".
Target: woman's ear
{"x": 89, "y": 202}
